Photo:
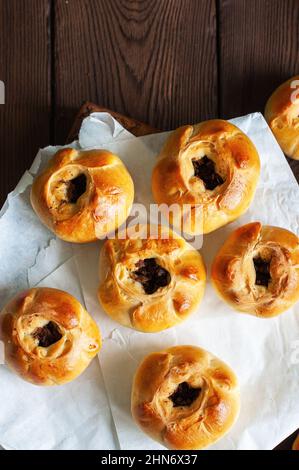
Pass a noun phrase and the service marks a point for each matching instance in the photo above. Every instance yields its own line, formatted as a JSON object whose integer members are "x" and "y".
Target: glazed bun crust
{"x": 282, "y": 115}
{"x": 149, "y": 282}
{"x": 49, "y": 337}
{"x": 257, "y": 270}
{"x": 212, "y": 166}
{"x": 175, "y": 415}
{"x": 83, "y": 195}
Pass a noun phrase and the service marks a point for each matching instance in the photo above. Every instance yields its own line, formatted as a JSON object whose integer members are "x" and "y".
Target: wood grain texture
{"x": 258, "y": 50}
{"x": 24, "y": 118}
{"x": 152, "y": 60}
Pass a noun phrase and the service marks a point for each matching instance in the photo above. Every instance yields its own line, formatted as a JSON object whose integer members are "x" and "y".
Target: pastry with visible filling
{"x": 150, "y": 280}
{"x": 257, "y": 270}
{"x": 83, "y": 195}
{"x": 49, "y": 338}
{"x": 205, "y": 176}
{"x": 184, "y": 397}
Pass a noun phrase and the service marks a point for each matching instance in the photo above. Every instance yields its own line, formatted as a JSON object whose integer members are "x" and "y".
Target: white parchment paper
{"x": 263, "y": 353}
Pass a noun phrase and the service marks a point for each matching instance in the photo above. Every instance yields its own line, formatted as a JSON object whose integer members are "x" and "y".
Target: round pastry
{"x": 151, "y": 279}
{"x": 49, "y": 338}
{"x": 83, "y": 195}
{"x": 257, "y": 270}
{"x": 184, "y": 397}
{"x": 209, "y": 171}
{"x": 282, "y": 115}
{"x": 296, "y": 443}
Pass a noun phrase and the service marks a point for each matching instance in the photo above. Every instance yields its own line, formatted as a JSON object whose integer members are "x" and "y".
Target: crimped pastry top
{"x": 49, "y": 337}
{"x": 185, "y": 397}
{"x": 282, "y": 115}
{"x": 257, "y": 269}
{"x": 83, "y": 195}
{"x": 212, "y": 165}
{"x": 150, "y": 281}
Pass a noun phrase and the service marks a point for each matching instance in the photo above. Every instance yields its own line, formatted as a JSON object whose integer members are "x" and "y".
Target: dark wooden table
{"x": 164, "y": 62}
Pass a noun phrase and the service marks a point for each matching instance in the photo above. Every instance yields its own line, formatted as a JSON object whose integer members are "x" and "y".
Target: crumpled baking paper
{"x": 263, "y": 353}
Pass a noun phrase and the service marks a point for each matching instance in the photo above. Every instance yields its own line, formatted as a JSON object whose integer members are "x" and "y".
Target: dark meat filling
{"x": 262, "y": 272}
{"x": 151, "y": 275}
{"x": 47, "y": 335}
{"x": 184, "y": 395}
{"x": 204, "y": 168}
{"x": 75, "y": 188}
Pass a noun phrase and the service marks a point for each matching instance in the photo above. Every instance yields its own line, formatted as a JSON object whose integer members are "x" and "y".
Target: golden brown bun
{"x": 282, "y": 116}
{"x": 175, "y": 287}
{"x": 264, "y": 290}
{"x": 49, "y": 337}
{"x": 189, "y": 424}
{"x": 236, "y": 163}
{"x": 83, "y": 195}
{"x": 296, "y": 443}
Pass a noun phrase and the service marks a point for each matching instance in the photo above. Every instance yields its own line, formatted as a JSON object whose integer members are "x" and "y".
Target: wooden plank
{"x": 259, "y": 43}
{"x": 24, "y": 68}
{"x": 258, "y": 50}
{"x": 152, "y": 60}
{"x": 137, "y": 128}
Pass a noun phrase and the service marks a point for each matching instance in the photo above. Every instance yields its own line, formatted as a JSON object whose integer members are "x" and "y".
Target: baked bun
{"x": 257, "y": 270}
{"x": 282, "y": 115}
{"x": 296, "y": 443}
{"x": 210, "y": 170}
{"x": 184, "y": 397}
{"x": 151, "y": 279}
{"x": 83, "y": 195}
{"x": 49, "y": 338}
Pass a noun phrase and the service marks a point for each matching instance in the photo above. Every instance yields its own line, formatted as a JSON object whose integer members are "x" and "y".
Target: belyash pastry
{"x": 184, "y": 397}
{"x": 282, "y": 115}
{"x": 49, "y": 337}
{"x": 257, "y": 270}
{"x": 151, "y": 279}
{"x": 83, "y": 195}
{"x": 210, "y": 170}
